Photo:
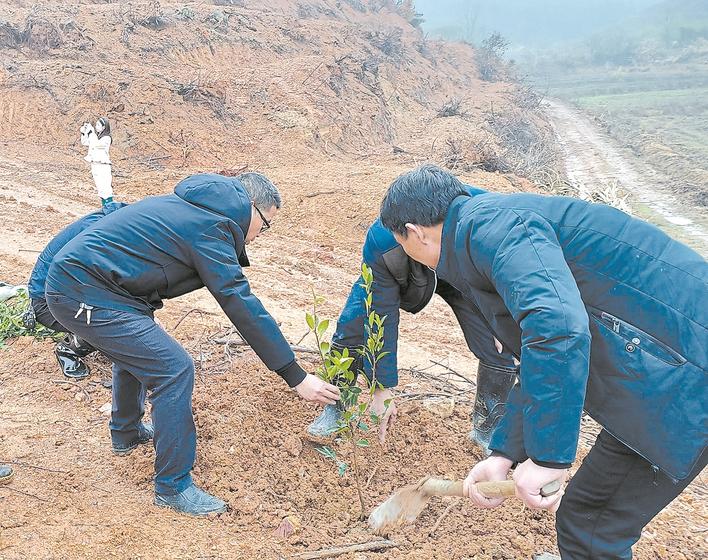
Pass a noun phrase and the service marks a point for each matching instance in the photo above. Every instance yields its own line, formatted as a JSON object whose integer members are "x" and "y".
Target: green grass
{"x": 660, "y": 113}
{"x": 674, "y": 120}
{"x": 11, "y": 324}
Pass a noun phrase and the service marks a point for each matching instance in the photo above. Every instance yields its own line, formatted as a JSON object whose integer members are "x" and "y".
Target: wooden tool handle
{"x": 492, "y": 489}
{"x": 440, "y": 487}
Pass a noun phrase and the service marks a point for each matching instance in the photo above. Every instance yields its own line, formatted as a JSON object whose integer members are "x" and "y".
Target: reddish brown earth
{"x": 305, "y": 95}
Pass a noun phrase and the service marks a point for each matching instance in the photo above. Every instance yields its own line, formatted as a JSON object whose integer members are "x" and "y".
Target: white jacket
{"x": 98, "y": 149}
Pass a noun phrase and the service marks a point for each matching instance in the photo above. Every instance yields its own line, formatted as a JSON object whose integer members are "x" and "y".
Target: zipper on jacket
{"x": 655, "y": 470}
{"x": 612, "y": 319}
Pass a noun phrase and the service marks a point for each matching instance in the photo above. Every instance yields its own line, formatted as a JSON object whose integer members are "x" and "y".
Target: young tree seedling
{"x": 357, "y": 417}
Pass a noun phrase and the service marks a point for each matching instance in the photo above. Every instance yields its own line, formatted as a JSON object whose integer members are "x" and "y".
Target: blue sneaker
{"x": 145, "y": 434}
{"x": 192, "y": 501}
{"x": 326, "y": 423}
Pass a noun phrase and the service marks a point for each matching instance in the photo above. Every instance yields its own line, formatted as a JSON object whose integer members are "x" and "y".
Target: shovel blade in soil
{"x": 402, "y": 507}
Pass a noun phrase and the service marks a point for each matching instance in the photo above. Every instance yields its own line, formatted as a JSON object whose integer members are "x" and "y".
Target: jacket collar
{"x": 446, "y": 268}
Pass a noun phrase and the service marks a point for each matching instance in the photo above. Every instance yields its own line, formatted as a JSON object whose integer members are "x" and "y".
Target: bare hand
{"x": 387, "y": 415}
{"x": 530, "y": 478}
{"x": 313, "y": 389}
{"x": 491, "y": 469}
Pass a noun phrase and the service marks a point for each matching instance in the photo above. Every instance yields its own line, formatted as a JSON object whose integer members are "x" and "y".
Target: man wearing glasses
{"x": 106, "y": 283}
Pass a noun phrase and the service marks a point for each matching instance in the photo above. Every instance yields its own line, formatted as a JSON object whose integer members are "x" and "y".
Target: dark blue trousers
{"x": 614, "y": 494}
{"x": 144, "y": 357}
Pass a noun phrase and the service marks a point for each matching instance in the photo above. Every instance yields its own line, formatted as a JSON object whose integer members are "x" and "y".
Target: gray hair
{"x": 420, "y": 197}
{"x": 262, "y": 191}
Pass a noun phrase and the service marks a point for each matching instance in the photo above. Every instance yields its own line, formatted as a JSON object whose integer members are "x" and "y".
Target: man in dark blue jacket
{"x": 606, "y": 313}
{"x": 402, "y": 283}
{"x": 71, "y": 349}
{"x": 106, "y": 283}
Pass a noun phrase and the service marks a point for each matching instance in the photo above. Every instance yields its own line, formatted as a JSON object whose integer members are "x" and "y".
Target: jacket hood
{"x": 221, "y": 195}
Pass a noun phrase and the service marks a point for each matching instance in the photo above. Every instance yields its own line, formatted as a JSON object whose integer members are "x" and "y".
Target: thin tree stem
{"x": 355, "y": 464}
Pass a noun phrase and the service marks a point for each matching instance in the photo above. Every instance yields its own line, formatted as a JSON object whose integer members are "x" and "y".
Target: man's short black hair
{"x": 421, "y": 197}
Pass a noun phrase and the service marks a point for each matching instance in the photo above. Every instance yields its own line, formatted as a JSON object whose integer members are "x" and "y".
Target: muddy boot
{"x": 145, "y": 434}
{"x": 493, "y": 386}
{"x": 328, "y": 422}
{"x": 6, "y": 474}
{"x": 69, "y": 353}
{"x": 192, "y": 501}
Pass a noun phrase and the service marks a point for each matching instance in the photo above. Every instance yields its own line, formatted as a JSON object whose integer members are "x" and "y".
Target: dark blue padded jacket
{"x": 38, "y": 278}
{"x": 166, "y": 246}
{"x": 606, "y": 313}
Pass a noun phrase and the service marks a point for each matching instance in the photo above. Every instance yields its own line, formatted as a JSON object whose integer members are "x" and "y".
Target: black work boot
{"x": 493, "y": 386}
{"x": 69, "y": 353}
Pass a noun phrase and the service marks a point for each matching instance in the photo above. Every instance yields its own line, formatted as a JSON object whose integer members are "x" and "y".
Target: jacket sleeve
{"x": 531, "y": 275}
{"x": 385, "y": 301}
{"x": 214, "y": 258}
{"x": 508, "y": 436}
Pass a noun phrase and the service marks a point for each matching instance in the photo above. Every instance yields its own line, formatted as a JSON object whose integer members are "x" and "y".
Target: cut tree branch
{"x": 346, "y": 549}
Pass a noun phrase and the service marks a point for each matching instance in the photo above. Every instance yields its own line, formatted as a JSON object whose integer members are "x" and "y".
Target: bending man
{"x": 106, "y": 283}
{"x": 606, "y": 313}
{"x": 402, "y": 283}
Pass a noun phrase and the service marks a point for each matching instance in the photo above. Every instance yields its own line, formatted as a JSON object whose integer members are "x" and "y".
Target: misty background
{"x": 547, "y": 23}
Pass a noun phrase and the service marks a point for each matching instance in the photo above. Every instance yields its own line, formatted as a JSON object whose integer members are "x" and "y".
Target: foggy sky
{"x": 532, "y": 23}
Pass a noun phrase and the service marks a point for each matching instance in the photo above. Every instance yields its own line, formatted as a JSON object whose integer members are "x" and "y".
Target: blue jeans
{"x": 144, "y": 358}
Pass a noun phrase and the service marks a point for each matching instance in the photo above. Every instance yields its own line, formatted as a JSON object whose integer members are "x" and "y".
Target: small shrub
{"x": 357, "y": 418}
{"x": 12, "y": 325}
{"x": 389, "y": 42}
{"x": 452, "y": 108}
{"x": 10, "y": 36}
{"x": 205, "y": 94}
{"x": 490, "y": 58}
{"x": 406, "y": 9}
{"x": 185, "y": 13}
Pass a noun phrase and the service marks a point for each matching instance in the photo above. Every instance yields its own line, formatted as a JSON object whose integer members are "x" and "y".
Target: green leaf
{"x": 363, "y": 426}
{"x": 341, "y": 468}
{"x": 366, "y": 273}
{"x": 324, "y": 347}
{"x": 322, "y": 327}
{"x": 327, "y": 452}
{"x": 309, "y": 318}
{"x": 363, "y": 443}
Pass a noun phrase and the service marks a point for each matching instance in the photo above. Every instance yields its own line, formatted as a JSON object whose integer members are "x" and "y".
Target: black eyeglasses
{"x": 266, "y": 223}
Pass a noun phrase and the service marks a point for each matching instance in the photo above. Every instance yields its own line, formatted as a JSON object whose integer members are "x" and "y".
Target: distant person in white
{"x": 98, "y": 140}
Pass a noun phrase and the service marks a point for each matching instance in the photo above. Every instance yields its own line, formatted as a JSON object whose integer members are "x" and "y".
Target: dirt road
{"x": 592, "y": 158}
